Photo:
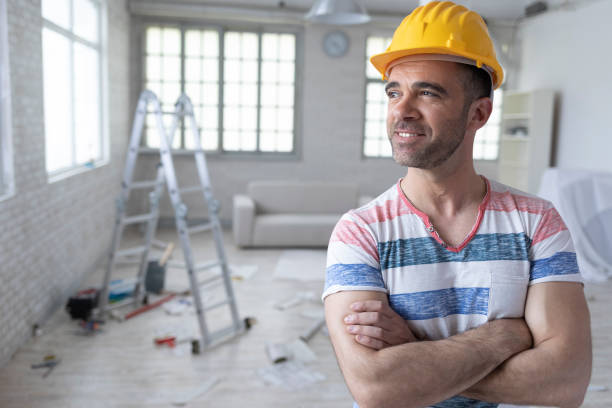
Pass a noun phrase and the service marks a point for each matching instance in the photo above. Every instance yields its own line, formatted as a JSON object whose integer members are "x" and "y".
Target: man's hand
{"x": 376, "y": 325}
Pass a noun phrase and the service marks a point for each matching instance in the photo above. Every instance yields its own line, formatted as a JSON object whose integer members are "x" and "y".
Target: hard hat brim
{"x": 383, "y": 60}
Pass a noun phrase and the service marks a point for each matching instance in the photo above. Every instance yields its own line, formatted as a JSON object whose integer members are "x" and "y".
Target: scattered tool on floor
{"x": 49, "y": 362}
{"x": 81, "y": 305}
{"x": 156, "y": 271}
{"x": 170, "y": 341}
{"x": 312, "y": 330}
{"x": 91, "y": 326}
{"x": 278, "y": 352}
{"x": 142, "y": 309}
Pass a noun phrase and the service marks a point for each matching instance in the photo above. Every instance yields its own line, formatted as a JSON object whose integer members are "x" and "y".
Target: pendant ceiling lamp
{"x": 338, "y": 12}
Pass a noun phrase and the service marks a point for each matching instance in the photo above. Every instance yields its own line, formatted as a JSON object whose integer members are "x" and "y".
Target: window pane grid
{"x": 486, "y": 142}
{"x": 277, "y": 93}
{"x": 254, "y": 99}
{"x": 375, "y": 141}
{"x": 163, "y": 77}
{"x": 72, "y": 83}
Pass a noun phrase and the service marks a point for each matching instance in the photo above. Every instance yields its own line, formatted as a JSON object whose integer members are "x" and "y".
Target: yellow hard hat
{"x": 446, "y": 29}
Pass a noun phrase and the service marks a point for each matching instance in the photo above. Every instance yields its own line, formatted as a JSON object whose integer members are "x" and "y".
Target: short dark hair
{"x": 476, "y": 83}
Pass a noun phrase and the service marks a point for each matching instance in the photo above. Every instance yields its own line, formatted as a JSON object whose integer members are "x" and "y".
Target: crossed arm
{"x": 384, "y": 365}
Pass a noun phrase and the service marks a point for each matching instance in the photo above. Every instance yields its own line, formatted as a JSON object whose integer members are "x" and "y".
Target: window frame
{"x": 7, "y": 179}
{"x": 222, "y": 27}
{"x": 497, "y": 103}
{"x": 101, "y": 48}
{"x": 365, "y": 95}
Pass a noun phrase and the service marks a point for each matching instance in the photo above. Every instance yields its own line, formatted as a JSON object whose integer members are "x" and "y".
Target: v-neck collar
{"x": 429, "y": 226}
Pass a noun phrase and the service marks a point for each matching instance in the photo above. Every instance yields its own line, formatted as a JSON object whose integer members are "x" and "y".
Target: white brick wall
{"x": 52, "y": 235}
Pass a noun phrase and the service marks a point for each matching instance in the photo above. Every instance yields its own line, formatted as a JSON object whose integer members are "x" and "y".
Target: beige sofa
{"x": 291, "y": 214}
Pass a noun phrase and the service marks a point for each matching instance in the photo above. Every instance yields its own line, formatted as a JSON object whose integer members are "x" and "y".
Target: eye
{"x": 429, "y": 93}
{"x": 392, "y": 94}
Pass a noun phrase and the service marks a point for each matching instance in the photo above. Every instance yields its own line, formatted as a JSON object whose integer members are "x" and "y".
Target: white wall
{"x": 569, "y": 50}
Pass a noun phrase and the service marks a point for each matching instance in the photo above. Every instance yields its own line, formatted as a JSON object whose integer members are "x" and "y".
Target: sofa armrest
{"x": 243, "y": 219}
{"x": 363, "y": 200}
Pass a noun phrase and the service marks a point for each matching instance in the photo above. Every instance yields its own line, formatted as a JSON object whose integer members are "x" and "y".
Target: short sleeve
{"x": 352, "y": 258}
{"x": 552, "y": 253}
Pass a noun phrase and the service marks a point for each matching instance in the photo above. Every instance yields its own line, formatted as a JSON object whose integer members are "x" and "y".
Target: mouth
{"x": 407, "y": 135}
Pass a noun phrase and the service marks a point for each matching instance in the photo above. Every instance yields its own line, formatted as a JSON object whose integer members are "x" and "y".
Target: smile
{"x": 407, "y": 134}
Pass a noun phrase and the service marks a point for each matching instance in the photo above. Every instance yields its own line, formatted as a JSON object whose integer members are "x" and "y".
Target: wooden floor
{"x": 121, "y": 367}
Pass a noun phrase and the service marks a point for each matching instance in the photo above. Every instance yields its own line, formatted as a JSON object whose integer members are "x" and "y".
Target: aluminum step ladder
{"x": 184, "y": 110}
{"x": 122, "y": 219}
{"x": 167, "y": 176}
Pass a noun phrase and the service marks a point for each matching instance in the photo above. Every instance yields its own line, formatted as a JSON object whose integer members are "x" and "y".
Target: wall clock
{"x": 335, "y": 43}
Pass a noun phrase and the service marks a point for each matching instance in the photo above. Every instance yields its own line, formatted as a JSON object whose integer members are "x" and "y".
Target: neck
{"x": 443, "y": 192}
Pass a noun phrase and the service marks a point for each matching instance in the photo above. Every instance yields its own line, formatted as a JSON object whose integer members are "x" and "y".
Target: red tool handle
{"x": 147, "y": 307}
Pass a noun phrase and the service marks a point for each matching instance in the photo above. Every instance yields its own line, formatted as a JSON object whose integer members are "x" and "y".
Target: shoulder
{"x": 508, "y": 199}
{"x": 382, "y": 209}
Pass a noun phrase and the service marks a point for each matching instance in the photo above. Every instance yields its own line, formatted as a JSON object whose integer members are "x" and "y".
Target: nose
{"x": 404, "y": 109}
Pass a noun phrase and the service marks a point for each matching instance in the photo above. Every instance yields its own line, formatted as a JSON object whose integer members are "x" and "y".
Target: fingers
{"x": 368, "y": 306}
{"x": 370, "y": 342}
{"x": 370, "y": 318}
{"x": 370, "y": 331}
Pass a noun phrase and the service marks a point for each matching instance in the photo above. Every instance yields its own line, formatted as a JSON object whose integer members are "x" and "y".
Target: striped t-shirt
{"x": 390, "y": 246}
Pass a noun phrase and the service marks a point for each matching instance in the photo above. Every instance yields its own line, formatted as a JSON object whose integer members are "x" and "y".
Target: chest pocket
{"x": 509, "y": 282}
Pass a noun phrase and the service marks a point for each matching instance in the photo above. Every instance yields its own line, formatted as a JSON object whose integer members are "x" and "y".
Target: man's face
{"x": 427, "y": 114}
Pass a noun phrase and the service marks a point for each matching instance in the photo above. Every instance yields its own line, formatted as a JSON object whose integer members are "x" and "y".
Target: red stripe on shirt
{"x": 386, "y": 212}
{"x": 348, "y": 232}
{"x": 508, "y": 202}
{"x": 550, "y": 224}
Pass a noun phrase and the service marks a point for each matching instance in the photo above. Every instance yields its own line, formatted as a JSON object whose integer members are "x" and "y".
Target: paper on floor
{"x": 290, "y": 375}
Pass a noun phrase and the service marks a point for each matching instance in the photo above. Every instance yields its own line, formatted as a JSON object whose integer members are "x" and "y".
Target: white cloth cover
{"x": 584, "y": 200}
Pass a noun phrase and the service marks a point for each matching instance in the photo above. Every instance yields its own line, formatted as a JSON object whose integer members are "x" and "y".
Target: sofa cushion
{"x": 294, "y": 229}
{"x": 278, "y": 197}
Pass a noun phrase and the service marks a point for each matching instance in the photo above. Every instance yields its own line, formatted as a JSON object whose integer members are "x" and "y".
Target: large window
{"x": 486, "y": 143}
{"x": 375, "y": 140}
{"x": 376, "y": 143}
{"x": 241, "y": 83}
{"x": 72, "y": 74}
{"x": 7, "y": 186}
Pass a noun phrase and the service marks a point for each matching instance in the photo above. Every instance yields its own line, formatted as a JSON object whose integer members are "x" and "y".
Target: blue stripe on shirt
{"x": 561, "y": 263}
{"x": 458, "y": 402}
{"x": 441, "y": 303}
{"x": 426, "y": 250}
{"x": 353, "y": 275}
{"x": 463, "y": 402}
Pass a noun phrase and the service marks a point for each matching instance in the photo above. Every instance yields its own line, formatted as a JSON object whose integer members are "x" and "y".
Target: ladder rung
{"x": 211, "y": 282}
{"x": 135, "y": 219}
{"x": 221, "y": 334}
{"x": 217, "y": 305}
{"x": 130, "y": 251}
{"x": 143, "y": 184}
{"x": 207, "y": 226}
{"x": 191, "y": 189}
{"x": 162, "y": 112}
{"x": 176, "y": 264}
{"x": 205, "y": 266}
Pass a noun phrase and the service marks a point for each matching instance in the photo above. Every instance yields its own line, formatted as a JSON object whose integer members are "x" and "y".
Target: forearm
{"x": 552, "y": 374}
{"x": 557, "y": 370}
{"x": 422, "y": 373}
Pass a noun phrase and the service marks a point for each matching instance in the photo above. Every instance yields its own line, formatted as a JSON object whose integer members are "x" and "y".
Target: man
{"x": 451, "y": 290}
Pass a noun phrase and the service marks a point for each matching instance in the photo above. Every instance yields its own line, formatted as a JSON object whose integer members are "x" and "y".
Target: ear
{"x": 479, "y": 113}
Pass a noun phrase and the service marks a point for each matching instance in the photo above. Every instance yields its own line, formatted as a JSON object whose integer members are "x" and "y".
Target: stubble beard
{"x": 434, "y": 153}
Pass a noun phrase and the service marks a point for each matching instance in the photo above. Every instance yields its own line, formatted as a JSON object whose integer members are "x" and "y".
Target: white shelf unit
{"x": 526, "y": 140}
